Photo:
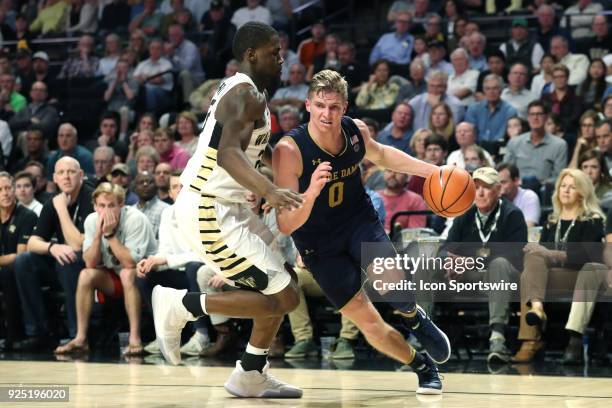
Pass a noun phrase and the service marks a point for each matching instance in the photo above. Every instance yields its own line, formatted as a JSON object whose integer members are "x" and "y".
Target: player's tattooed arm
{"x": 238, "y": 112}
{"x": 391, "y": 158}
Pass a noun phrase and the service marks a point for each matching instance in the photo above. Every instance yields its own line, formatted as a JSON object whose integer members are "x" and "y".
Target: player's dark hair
{"x": 251, "y": 35}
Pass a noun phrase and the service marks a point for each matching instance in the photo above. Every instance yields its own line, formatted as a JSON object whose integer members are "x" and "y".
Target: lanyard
{"x": 560, "y": 242}
{"x": 485, "y": 238}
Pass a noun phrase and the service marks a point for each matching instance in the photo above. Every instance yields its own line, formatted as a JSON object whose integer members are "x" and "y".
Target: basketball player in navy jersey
{"x": 215, "y": 216}
{"x": 321, "y": 160}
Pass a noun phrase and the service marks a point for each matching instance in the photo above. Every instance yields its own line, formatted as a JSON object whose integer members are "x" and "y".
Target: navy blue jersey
{"x": 343, "y": 199}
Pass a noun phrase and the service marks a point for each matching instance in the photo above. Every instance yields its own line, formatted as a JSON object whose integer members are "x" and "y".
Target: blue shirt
{"x": 402, "y": 143}
{"x": 491, "y": 126}
{"x": 422, "y": 109}
{"x": 393, "y": 48}
{"x": 81, "y": 154}
{"x": 378, "y": 203}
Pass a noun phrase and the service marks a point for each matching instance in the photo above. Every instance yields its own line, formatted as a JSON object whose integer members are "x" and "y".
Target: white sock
{"x": 497, "y": 335}
{"x": 203, "y": 302}
{"x": 256, "y": 351}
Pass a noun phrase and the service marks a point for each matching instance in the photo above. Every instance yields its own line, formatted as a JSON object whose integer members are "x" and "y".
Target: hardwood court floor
{"x": 137, "y": 385}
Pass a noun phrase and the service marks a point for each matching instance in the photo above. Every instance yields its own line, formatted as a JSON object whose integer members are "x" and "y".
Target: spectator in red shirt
{"x": 314, "y": 46}
{"x": 170, "y": 152}
{"x": 397, "y": 198}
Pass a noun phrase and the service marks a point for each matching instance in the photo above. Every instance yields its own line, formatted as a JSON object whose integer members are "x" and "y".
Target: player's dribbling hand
{"x": 319, "y": 178}
{"x": 283, "y": 199}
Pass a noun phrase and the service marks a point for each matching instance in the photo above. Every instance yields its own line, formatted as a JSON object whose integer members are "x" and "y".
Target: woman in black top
{"x": 566, "y": 244}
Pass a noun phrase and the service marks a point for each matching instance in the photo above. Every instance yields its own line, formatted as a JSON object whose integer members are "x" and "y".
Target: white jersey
{"x": 203, "y": 174}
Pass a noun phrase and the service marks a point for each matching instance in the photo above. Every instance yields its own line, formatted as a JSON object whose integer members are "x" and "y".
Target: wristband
{"x": 49, "y": 247}
{"x": 109, "y": 236}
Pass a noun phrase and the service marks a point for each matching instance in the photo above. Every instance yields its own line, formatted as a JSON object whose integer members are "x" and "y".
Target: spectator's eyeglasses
{"x": 534, "y": 114}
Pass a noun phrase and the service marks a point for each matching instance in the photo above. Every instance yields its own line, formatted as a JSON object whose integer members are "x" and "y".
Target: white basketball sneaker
{"x": 169, "y": 316}
{"x": 253, "y": 384}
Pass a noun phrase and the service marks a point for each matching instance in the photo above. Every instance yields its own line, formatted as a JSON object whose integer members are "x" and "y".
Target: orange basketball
{"x": 450, "y": 191}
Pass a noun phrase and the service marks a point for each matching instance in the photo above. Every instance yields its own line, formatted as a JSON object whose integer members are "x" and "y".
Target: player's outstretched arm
{"x": 391, "y": 158}
{"x": 287, "y": 166}
{"x": 237, "y": 112}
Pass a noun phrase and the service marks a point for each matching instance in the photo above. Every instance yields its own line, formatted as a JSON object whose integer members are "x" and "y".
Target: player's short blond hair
{"x": 328, "y": 81}
{"x": 111, "y": 189}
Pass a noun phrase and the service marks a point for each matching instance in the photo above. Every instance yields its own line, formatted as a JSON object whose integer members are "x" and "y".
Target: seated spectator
{"x": 554, "y": 126}
{"x": 142, "y": 136}
{"x": 146, "y": 159}
{"x": 599, "y": 45}
{"x": 441, "y": 121}
{"x": 116, "y": 239}
{"x": 563, "y": 100}
{"x": 417, "y": 142}
{"x": 138, "y": 46}
{"x": 436, "y": 93}
{"x": 155, "y": 73}
{"x": 465, "y": 136}
{"x": 38, "y": 114}
{"x": 516, "y": 94}
{"x": 288, "y": 119}
{"x": 607, "y": 106}
{"x": 524, "y": 199}
{"x": 24, "y": 191}
{"x": 516, "y": 127}
{"x": 496, "y": 62}
{"x": 185, "y": 57}
{"x": 476, "y": 48}
{"x": 592, "y": 89}
{"x": 173, "y": 266}
{"x": 463, "y": 81}
{"x": 149, "y": 21}
{"x": 51, "y": 18}
{"x": 576, "y": 218}
{"x": 603, "y": 135}
{"x": 492, "y": 219}
{"x": 542, "y": 83}
{"x": 327, "y": 60}
{"x": 104, "y": 160}
{"x": 577, "y": 64}
{"x": 301, "y": 322}
{"x": 11, "y": 101}
{"x": 538, "y": 155}
{"x": 120, "y": 175}
{"x": 148, "y": 203}
{"x": 293, "y": 94}
{"x": 521, "y": 48}
{"x": 107, "y": 66}
{"x": 40, "y": 72}
{"x": 109, "y": 135}
{"x": 436, "y": 149}
{"x": 591, "y": 282}
{"x": 67, "y": 146}
{"x": 37, "y": 169}
{"x": 586, "y": 136}
{"x": 16, "y": 225}
{"x": 121, "y": 94}
{"x": 179, "y": 15}
{"x": 397, "y": 197}
{"x": 187, "y": 129}
{"x": 398, "y": 132}
{"x": 115, "y": 16}
{"x": 580, "y": 17}
{"x": 593, "y": 164}
{"x": 437, "y": 53}
{"x": 253, "y": 11}
{"x": 54, "y": 263}
{"x": 475, "y": 157}
{"x": 162, "y": 182}
{"x": 84, "y": 64}
{"x": 350, "y": 69}
{"x": 82, "y": 17}
{"x": 395, "y": 47}
{"x": 548, "y": 26}
{"x": 417, "y": 84}
{"x": 490, "y": 115}
{"x": 169, "y": 152}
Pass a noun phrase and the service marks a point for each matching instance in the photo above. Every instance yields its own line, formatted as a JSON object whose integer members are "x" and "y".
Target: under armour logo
{"x": 316, "y": 162}
{"x": 308, "y": 251}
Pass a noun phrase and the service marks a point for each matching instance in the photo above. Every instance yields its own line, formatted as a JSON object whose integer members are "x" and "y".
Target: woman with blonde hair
{"x": 586, "y": 136}
{"x": 187, "y": 130}
{"x": 417, "y": 143}
{"x": 441, "y": 121}
{"x": 554, "y": 262}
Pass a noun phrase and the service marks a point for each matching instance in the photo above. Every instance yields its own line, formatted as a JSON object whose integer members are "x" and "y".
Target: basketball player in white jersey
{"x": 218, "y": 224}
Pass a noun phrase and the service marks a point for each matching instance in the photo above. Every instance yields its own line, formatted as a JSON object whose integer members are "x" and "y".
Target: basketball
{"x": 449, "y": 192}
